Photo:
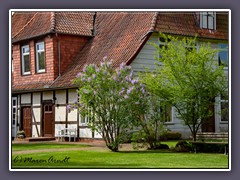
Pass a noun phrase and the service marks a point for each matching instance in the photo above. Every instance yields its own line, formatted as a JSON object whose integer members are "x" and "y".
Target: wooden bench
{"x": 67, "y": 132}
{"x": 211, "y": 138}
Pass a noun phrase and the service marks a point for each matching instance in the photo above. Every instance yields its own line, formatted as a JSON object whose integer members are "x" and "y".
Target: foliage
{"x": 21, "y": 134}
{"x": 183, "y": 146}
{"x": 111, "y": 99}
{"x": 150, "y": 124}
{"x": 188, "y": 78}
{"x": 210, "y": 147}
{"x": 170, "y": 135}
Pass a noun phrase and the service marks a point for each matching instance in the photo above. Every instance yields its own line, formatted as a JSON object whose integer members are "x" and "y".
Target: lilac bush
{"x": 114, "y": 97}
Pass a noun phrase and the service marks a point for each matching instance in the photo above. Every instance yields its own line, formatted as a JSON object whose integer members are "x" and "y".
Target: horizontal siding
{"x": 145, "y": 58}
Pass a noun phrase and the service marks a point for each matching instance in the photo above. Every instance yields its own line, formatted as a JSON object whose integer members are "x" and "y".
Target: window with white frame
{"x": 208, "y": 20}
{"x": 224, "y": 110}
{"x": 85, "y": 119}
{"x": 25, "y": 60}
{"x": 40, "y": 57}
{"x": 223, "y": 54}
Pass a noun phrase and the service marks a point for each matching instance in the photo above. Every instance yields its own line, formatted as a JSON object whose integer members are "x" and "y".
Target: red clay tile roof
{"x": 31, "y": 86}
{"x": 77, "y": 23}
{"x": 119, "y": 35}
{"x": 184, "y": 23}
{"x": 27, "y": 25}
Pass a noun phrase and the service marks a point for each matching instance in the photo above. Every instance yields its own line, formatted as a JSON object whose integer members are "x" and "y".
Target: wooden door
{"x": 209, "y": 124}
{"x": 27, "y": 121}
{"x": 48, "y": 121}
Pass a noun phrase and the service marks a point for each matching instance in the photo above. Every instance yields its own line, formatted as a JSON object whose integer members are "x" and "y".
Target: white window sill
{"x": 26, "y": 73}
{"x": 41, "y": 71}
{"x": 223, "y": 122}
{"x": 169, "y": 123}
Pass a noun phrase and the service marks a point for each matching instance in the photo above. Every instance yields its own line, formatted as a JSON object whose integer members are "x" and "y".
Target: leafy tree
{"x": 188, "y": 78}
{"x": 110, "y": 98}
{"x": 149, "y": 123}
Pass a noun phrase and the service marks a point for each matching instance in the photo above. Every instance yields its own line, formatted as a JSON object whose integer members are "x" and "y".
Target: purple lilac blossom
{"x": 85, "y": 91}
{"x": 89, "y": 79}
{"x": 104, "y": 58}
{"x": 114, "y": 78}
{"x": 94, "y": 76}
{"x": 122, "y": 66}
{"x": 85, "y": 69}
{"x": 143, "y": 90}
{"x": 68, "y": 108}
{"x": 130, "y": 89}
{"x": 94, "y": 92}
{"x": 79, "y": 75}
{"x": 125, "y": 96}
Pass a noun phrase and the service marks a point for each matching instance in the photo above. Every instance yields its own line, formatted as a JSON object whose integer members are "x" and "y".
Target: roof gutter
{"x": 151, "y": 31}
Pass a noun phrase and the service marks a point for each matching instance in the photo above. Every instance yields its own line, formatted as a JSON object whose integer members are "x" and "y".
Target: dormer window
{"x": 25, "y": 60}
{"x": 208, "y": 20}
{"x": 40, "y": 57}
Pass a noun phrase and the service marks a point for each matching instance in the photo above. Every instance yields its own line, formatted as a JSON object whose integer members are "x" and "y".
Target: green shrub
{"x": 210, "y": 148}
{"x": 183, "y": 146}
{"x": 169, "y": 135}
{"x": 21, "y": 134}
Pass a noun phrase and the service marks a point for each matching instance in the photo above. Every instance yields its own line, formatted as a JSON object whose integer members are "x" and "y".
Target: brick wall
{"x": 70, "y": 46}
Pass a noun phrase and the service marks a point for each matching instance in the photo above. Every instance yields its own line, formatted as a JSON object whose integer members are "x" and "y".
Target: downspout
{"x": 59, "y": 58}
{"x": 94, "y": 20}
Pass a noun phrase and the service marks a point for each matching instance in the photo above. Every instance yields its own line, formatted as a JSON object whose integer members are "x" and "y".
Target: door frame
{"x": 48, "y": 102}
{"x": 14, "y": 125}
{"x": 22, "y": 121}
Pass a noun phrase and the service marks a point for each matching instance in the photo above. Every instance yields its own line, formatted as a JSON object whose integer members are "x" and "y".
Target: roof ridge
{"x": 53, "y": 22}
{"x": 154, "y": 20}
{"x": 25, "y": 25}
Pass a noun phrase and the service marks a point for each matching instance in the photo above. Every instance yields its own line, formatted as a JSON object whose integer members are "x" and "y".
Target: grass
{"x": 38, "y": 146}
{"x": 106, "y": 159}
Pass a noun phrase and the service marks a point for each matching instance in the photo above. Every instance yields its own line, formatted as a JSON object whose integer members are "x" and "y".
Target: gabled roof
{"x": 26, "y": 25}
{"x": 185, "y": 23}
{"x": 118, "y": 36}
{"x": 121, "y": 35}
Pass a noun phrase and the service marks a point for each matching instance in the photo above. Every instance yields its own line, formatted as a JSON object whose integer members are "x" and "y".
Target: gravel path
{"x": 99, "y": 146}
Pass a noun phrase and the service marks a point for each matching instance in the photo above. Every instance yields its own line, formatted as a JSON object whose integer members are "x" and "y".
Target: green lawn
{"x": 37, "y": 146}
{"x": 125, "y": 159}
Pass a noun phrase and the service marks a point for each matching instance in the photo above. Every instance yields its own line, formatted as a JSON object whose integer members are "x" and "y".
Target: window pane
{"x": 40, "y": 46}
{"x": 46, "y": 108}
{"x": 26, "y": 63}
{"x": 224, "y": 111}
{"x": 25, "y": 49}
{"x": 204, "y": 21}
{"x": 14, "y": 102}
{"x": 210, "y": 22}
{"x": 50, "y": 108}
{"x": 223, "y": 58}
{"x": 41, "y": 60}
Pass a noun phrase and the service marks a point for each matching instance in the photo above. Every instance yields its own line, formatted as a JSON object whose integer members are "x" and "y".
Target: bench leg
{"x": 226, "y": 149}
